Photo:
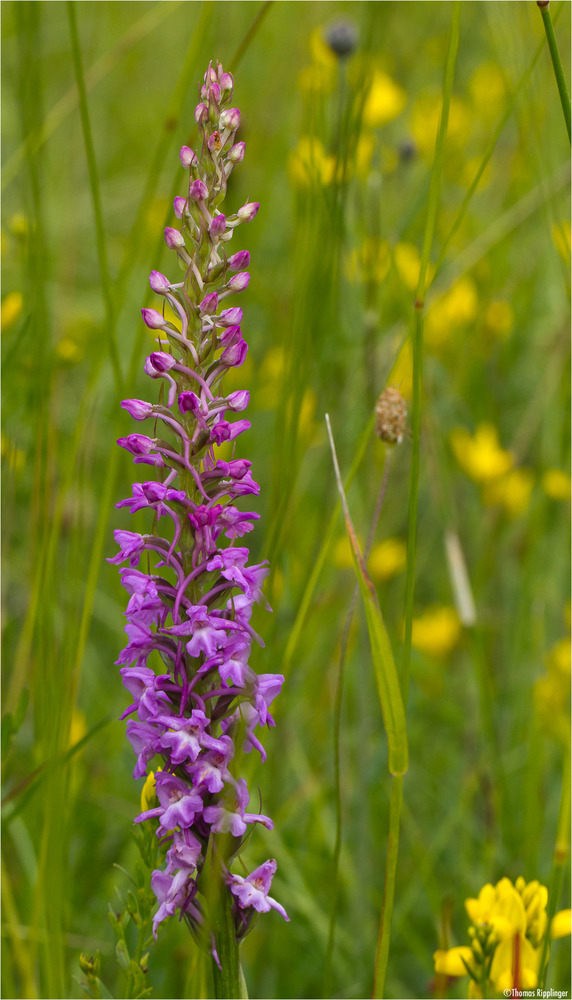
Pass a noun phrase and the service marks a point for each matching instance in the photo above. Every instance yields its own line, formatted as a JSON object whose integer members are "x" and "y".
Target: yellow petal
{"x": 561, "y": 924}
{"x": 451, "y": 962}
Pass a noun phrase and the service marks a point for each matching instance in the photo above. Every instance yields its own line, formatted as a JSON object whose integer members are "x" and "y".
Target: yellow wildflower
{"x": 512, "y": 491}
{"x": 68, "y": 350}
{"x": 425, "y": 118}
{"x": 11, "y": 309}
{"x": 148, "y": 794}
{"x": 561, "y": 925}
{"x": 480, "y": 455}
{"x": 408, "y": 263}
{"x": 322, "y": 54}
{"x": 452, "y": 961}
{"x": 508, "y": 924}
{"x": 387, "y": 559}
{"x": 456, "y": 308}
{"x": 309, "y": 164}
{"x": 487, "y": 90}
{"x": 499, "y": 318}
{"x": 556, "y": 484}
{"x": 436, "y": 631}
{"x": 384, "y": 102}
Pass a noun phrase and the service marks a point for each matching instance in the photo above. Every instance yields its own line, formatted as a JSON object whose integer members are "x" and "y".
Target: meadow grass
{"x": 367, "y": 205}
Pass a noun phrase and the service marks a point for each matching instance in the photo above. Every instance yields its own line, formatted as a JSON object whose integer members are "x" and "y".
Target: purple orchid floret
{"x": 191, "y": 590}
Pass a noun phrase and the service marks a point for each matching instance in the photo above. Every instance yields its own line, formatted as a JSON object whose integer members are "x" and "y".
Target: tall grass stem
{"x": 556, "y": 62}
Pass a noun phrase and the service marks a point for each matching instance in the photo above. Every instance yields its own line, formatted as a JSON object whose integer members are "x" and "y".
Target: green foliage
{"x": 339, "y": 155}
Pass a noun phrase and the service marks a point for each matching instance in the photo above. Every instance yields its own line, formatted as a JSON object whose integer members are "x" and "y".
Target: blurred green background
{"x": 339, "y": 154}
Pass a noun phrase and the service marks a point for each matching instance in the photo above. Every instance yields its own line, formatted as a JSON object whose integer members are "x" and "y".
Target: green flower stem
{"x": 337, "y": 733}
{"x": 227, "y": 978}
{"x": 417, "y": 341}
{"x": 556, "y": 61}
{"x": 559, "y": 860}
{"x": 382, "y": 952}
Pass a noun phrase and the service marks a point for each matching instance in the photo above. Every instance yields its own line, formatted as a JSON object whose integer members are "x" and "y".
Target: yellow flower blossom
{"x": 452, "y": 961}
{"x": 508, "y": 926}
{"x": 78, "y": 727}
{"x": 387, "y": 559}
{"x": 384, "y": 102}
{"x": 68, "y": 350}
{"x": 556, "y": 484}
{"x": 559, "y": 657}
{"x": 408, "y": 264}
{"x": 487, "y": 90}
{"x": 499, "y": 318}
{"x": 456, "y": 308}
{"x": 511, "y": 491}
{"x": 425, "y": 118}
{"x": 436, "y": 631}
{"x": 561, "y": 925}
{"x": 480, "y": 455}
{"x": 309, "y": 164}
{"x": 11, "y": 309}
{"x": 322, "y": 54}
{"x": 148, "y": 794}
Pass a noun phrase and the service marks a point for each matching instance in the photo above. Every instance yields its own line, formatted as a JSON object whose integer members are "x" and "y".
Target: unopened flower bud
{"x": 226, "y": 84}
{"x": 239, "y": 282}
{"x": 218, "y": 225}
{"x": 187, "y": 157}
{"x": 159, "y": 361}
{"x": 234, "y": 354}
{"x": 174, "y": 239}
{"x": 153, "y": 319}
{"x": 239, "y": 260}
{"x": 90, "y": 965}
{"x": 201, "y": 114}
{"x": 236, "y": 152}
{"x": 209, "y": 304}
{"x": 230, "y": 119}
{"x": 159, "y": 283}
{"x": 210, "y": 75}
{"x": 238, "y": 400}
{"x": 214, "y": 93}
{"x": 179, "y": 206}
{"x": 198, "y": 191}
{"x": 247, "y": 212}
{"x": 138, "y": 408}
{"x": 390, "y": 416}
{"x": 230, "y": 317}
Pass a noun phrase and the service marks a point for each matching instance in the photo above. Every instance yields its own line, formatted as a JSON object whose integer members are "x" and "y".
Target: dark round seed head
{"x": 342, "y": 36}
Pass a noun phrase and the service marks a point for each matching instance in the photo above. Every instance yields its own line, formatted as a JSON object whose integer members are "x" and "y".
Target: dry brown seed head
{"x": 390, "y": 416}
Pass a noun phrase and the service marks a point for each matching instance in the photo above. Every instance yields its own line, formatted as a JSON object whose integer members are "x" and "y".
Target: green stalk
{"x": 95, "y": 197}
{"x": 382, "y": 952}
{"x": 396, "y": 802}
{"x": 417, "y": 342}
{"x": 559, "y": 860}
{"x": 556, "y": 61}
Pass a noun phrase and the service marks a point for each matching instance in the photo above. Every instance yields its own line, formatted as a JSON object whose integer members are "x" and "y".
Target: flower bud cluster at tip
{"x": 193, "y": 609}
